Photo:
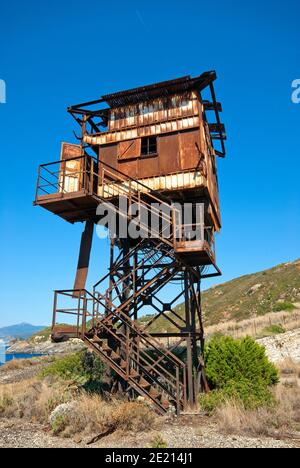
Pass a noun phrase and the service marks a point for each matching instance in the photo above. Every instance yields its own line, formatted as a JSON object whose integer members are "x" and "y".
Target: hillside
{"x": 253, "y": 295}
{"x": 20, "y": 331}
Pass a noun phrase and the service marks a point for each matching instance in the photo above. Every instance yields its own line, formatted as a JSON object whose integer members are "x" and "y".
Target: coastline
{"x": 45, "y": 347}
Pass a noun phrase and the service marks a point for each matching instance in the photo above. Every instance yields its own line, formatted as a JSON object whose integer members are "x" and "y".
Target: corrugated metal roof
{"x": 156, "y": 90}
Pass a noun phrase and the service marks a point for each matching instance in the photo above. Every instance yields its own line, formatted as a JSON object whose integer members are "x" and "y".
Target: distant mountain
{"x": 253, "y": 295}
{"x": 20, "y": 331}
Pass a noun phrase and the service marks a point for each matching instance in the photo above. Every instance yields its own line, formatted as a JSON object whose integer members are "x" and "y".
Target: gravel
{"x": 200, "y": 432}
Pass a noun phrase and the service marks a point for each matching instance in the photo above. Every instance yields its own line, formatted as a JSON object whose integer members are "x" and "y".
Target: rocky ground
{"x": 185, "y": 432}
{"x": 188, "y": 431}
{"x": 45, "y": 347}
{"x": 17, "y": 375}
{"x": 283, "y": 346}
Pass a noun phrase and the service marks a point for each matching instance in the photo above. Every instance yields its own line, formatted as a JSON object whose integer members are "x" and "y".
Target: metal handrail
{"x": 155, "y": 365}
{"x": 83, "y": 292}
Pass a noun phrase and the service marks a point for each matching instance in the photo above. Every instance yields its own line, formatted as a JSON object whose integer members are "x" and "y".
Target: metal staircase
{"x": 107, "y": 323}
{"x": 142, "y": 362}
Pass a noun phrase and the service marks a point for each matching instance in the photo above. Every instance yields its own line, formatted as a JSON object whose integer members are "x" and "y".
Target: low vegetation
{"x": 281, "y": 306}
{"x": 271, "y": 330}
{"x": 67, "y": 396}
{"x": 18, "y": 364}
{"x": 238, "y": 370}
{"x": 158, "y": 442}
{"x": 72, "y": 411}
{"x": 257, "y": 327}
{"x": 82, "y": 368}
{"x": 280, "y": 420}
{"x": 246, "y": 298}
{"x": 246, "y": 397}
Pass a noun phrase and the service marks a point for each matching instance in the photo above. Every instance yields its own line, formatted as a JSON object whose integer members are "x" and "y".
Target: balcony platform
{"x": 195, "y": 253}
{"x": 72, "y": 207}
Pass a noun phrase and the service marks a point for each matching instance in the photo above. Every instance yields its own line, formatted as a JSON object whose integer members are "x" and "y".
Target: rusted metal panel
{"x": 168, "y": 150}
{"x": 69, "y": 151}
{"x": 109, "y": 155}
{"x": 212, "y": 181}
{"x": 129, "y": 168}
{"x": 189, "y": 149}
{"x": 179, "y": 181}
{"x": 156, "y": 128}
{"x": 148, "y": 167}
{"x": 129, "y": 149}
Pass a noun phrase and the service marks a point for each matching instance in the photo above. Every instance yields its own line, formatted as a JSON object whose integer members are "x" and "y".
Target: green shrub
{"x": 240, "y": 370}
{"x": 158, "y": 442}
{"x": 280, "y": 306}
{"x": 272, "y": 330}
{"x": 82, "y": 368}
{"x": 230, "y": 360}
{"x": 250, "y": 396}
{"x": 5, "y": 402}
{"x": 92, "y": 367}
{"x": 67, "y": 368}
{"x": 58, "y": 425}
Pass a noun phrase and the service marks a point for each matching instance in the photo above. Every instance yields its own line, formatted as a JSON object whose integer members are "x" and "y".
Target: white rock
{"x": 280, "y": 347}
{"x": 62, "y": 410}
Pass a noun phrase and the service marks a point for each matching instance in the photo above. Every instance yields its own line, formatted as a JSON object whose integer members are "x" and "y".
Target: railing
{"x": 66, "y": 176}
{"x": 129, "y": 278}
{"x": 135, "y": 345}
{"x": 82, "y": 173}
{"x": 85, "y": 313}
{"x": 187, "y": 233}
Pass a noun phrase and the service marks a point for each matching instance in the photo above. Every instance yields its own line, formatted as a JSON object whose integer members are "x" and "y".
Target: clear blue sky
{"x": 54, "y": 54}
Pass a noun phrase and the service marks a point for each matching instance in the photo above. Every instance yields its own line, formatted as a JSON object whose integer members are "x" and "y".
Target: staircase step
{"x": 97, "y": 340}
{"x": 123, "y": 364}
{"x": 165, "y": 403}
{"x": 155, "y": 394}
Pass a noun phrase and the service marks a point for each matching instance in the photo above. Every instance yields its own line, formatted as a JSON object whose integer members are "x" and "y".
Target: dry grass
{"x": 92, "y": 415}
{"x": 18, "y": 364}
{"x": 289, "y": 367}
{"x": 35, "y": 400}
{"x": 281, "y": 420}
{"x": 32, "y": 399}
{"x": 255, "y": 326}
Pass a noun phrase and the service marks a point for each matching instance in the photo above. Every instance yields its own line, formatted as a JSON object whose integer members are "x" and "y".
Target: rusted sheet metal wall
{"x": 180, "y": 181}
{"x": 189, "y": 149}
{"x": 158, "y": 110}
{"x": 139, "y": 132}
{"x": 210, "y": 162}
{"x": 183, "y": 144}
{"x": 168, "y": 148}
{"x": 175, "y": 153}
{"x": 129, "y": 149}
{"x": 170, "y": 114}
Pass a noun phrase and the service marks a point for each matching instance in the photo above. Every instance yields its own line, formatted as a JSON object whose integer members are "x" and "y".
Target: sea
{"x": 5, "y": 357}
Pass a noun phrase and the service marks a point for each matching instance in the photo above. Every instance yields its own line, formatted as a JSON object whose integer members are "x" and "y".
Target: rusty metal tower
{"x": 153, "y": 148}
